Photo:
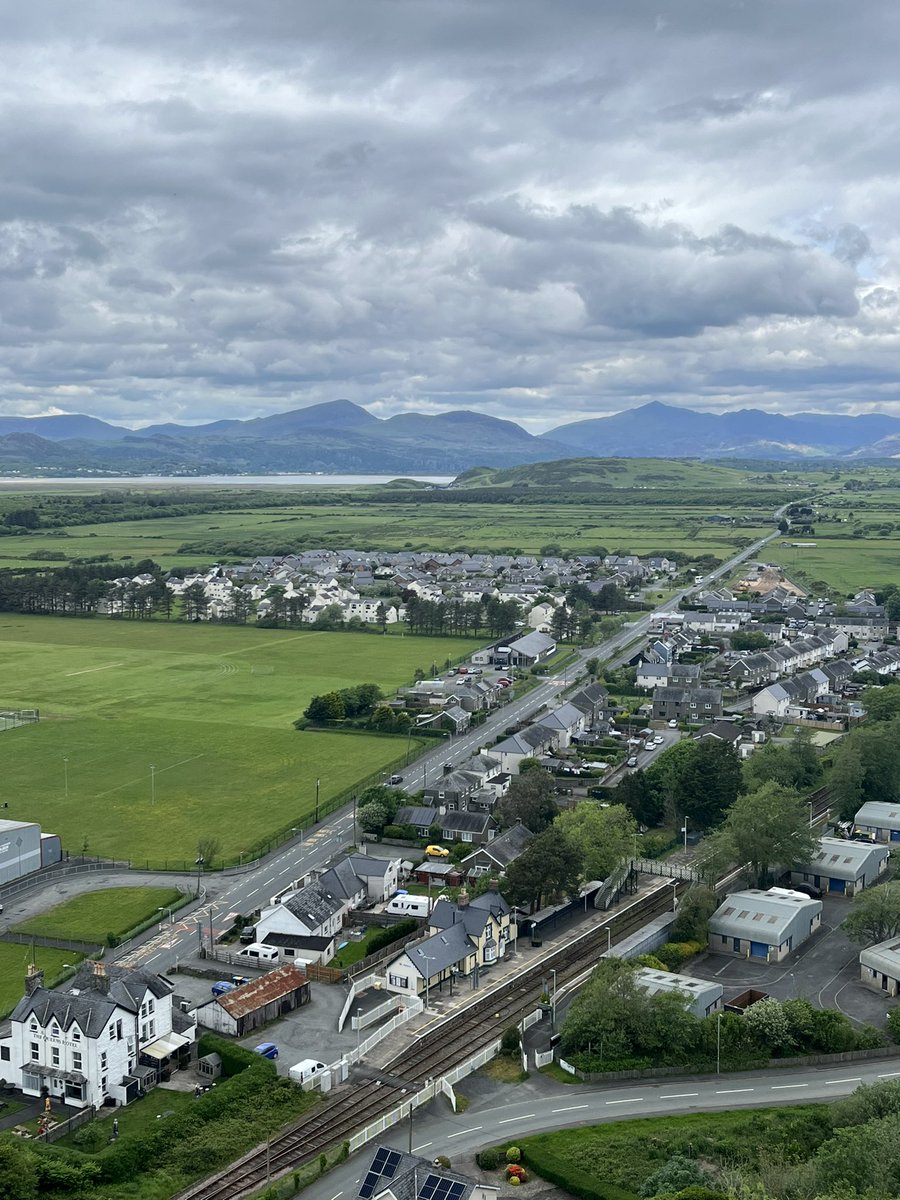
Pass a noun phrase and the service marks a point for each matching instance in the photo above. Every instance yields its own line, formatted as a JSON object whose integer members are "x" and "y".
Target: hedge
{"x": 393, "y": 933}
{"x": 234, "y": 1058}
{"x": 570, "y": 1178}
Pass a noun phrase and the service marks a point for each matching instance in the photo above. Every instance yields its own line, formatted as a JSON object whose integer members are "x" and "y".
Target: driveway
{"x": 825, "y": 970}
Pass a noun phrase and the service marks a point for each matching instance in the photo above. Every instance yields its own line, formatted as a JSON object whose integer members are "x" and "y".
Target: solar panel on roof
{"x": 438, "y": 1187}
{"x": 384, "y": 1166}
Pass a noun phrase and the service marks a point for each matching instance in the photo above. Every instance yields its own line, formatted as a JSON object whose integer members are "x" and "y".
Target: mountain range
{"x": 340, "y": 436}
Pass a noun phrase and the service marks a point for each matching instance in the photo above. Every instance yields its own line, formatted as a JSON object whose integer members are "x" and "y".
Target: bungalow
{"x": 843, "y": 868}
{"x": 454, "y": 826}
{"x": 256, "y": 1003}
{"x": 298, "y": 949}
{"x": 764, "y": 925}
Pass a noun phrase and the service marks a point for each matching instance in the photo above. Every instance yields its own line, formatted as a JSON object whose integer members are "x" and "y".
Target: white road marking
{"x": 849, "y": 1079}
{"x": 89, "y": 670}
{"x": 889, "y": 1074}
{"x": 571, "y": 1108}
{"x": 270, "y": 880}
{"x": 678, "y": 1095}
{"x": 732, "y": 1091}
{"x": 424, "y": 1146}
{"x": 509, "y": 1120}
{"x": 336, "y": 1194}
{"x": 460, "y": 1132}
{"x": 630, "y": 1100}
{"x": 783, "y": 1087}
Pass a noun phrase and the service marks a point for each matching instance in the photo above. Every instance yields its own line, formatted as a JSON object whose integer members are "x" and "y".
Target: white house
{"x": 104, "y": 1039}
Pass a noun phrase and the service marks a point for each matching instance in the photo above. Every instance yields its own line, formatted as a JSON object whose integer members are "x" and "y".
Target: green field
{"x": 209, "y": 707}
{"x": 90, "y": 917}
{"x": 14, "y": 960}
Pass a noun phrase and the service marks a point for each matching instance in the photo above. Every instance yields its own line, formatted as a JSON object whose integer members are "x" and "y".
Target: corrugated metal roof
{"x": 254, "y": 995}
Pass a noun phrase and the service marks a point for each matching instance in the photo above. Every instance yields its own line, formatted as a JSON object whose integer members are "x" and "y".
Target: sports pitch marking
{"x": 142, "y": 778}
{"x": 274, "y": 646}
{"x": 89, "y": 670}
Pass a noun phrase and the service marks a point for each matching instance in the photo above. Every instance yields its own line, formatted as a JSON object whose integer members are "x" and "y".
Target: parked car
{"x": 266, "y": 1049}
{"x": 808, "y": 889}
{"x": 658, "y": 741}
{"x": 632, "y": 762}
{"x": 673, "y": 724}
{"x": 437, "y": 852}
{"x": 221, "y": 986}
{"x": 248, "y": 935}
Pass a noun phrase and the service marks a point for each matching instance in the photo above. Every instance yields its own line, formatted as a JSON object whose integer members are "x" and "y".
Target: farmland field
{"x": 208, "y": 707}
{"x": 90, "y": 917}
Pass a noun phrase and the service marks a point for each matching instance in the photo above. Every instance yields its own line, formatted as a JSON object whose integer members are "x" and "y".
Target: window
{"x": 35, "y": 1052}
{"x": 4, "y": 1053}
{"x": 112, "y": 1032}
{"x": 466, "y": 837}
{"x": 102, "y": 1060}
{"x": 76, "y": 1060}
{"x": 118, "y": 1031}
{"x": 398, "y": 981}
{"x": 103, "y": 1085}
{"x": 76, "y": 1034}
{"x": 54, "y": 1056}
{"x": 31, "y": 1083}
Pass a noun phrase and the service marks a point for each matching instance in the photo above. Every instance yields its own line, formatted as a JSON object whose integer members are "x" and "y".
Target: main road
{"x": 230, "y": 894}
{"x": 545, "y": 1105}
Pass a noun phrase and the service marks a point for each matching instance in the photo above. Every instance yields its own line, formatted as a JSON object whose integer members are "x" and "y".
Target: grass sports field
{"x": 209, "y": 708}
{"x": 90, "y": 917}
{"x": 14, "y": 960}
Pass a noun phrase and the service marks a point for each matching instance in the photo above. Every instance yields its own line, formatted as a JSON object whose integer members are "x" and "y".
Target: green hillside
{"x": 605, "y": 473}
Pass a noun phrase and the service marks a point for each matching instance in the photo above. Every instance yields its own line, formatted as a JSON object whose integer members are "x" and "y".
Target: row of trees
{"x": 613, "y": 1023}
{"x": 467, "y": 618}
{"x": 346, "y": 704}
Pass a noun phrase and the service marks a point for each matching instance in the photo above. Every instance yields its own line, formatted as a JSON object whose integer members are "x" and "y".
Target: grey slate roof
{"x": 91, "y": 1008}
{"x": 505, "y": 848}
{"x": 341, "y": 881}
{"x": 313, "y": 905}
{"x": 440, "y": 951}
{"x": 473, "y": 917}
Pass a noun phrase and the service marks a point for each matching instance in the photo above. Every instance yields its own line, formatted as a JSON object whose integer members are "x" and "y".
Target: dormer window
{"x": 76, "y": 1034}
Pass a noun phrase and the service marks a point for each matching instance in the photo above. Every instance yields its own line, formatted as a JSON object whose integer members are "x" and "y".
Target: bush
{"x": 234, "y": 1058}
{"x": 674, "y": 954}
{"x": 402, "y": 832}
{"x": 511, "y": 1040}
{"x": 651, "y": 961}
{"x": 513, "y": 1154}
{"x": 515, "y": 1181}
{"x": 488, "y": 1159}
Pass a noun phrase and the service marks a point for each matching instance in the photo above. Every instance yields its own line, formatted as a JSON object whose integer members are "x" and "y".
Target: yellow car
{"x": 437, "y": 852}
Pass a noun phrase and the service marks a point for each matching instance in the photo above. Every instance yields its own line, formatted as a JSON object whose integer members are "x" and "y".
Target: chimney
{"x": 99, "y": 978}
{"x": 34, "y": 979}
{"x": 462, "y": 899}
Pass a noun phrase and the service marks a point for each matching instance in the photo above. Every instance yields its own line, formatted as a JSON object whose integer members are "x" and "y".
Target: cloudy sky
{"x": 541, "y": 209}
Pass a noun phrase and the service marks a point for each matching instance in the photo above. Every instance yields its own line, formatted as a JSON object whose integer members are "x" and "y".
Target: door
{"x": 736, "y": 945}
{"x": 895, "y": 835}
{"x": 837, "y": 885}
{"x": 759, "y": 950}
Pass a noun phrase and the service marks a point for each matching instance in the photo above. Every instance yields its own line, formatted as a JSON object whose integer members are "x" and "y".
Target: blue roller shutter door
{"x": 759, "y": 950}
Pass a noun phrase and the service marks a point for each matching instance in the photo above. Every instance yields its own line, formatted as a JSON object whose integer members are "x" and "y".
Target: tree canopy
{"x": 604, "y": 835}
{"x": 549, "y": 869}
{"x": 767, "y": 828}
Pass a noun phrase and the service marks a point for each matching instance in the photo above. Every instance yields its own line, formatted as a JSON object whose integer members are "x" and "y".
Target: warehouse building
{"x": 765, "y": 926}
{"x": 701, "y": 996}
{"x": 879, "y": 967}
{"x": 257, "y": 1003}
{"x": 879, "y": 820}
{"x": 20, "y": 849}
{"x": 843, "y": 868}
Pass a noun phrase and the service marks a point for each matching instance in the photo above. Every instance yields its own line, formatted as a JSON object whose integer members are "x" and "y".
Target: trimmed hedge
{"x": 234, "y": 1058}
{"x": 393, "y": 933}
{"x": 570, "y": 1178}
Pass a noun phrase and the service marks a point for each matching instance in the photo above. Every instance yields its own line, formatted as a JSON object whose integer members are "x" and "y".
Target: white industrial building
{"x": 880, "y": 819}
{"x": 763, "y": 925}
{"x": 843, "y": 868}
{"x": 879, "y": 966}
{"x": 701, "y": 996}
{"x": 20, "y": 849}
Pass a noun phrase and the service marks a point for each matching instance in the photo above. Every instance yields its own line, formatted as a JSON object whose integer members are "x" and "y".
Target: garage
{"x": 759, "y": 950}
{"x": 837, "y": 885}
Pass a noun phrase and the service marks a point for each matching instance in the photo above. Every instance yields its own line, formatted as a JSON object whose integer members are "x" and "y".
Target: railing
{"x": 412, "y": 1007}
{"x": 653, "y": 866}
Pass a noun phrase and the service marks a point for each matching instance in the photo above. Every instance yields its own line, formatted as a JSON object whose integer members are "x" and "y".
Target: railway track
{"x": 438, "y": 1050}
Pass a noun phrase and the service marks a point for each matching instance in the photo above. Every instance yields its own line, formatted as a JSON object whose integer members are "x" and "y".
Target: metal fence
{"x": 14, "y": 718}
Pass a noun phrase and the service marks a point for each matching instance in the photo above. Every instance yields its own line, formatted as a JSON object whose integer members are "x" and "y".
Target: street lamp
{"x": 198, "y": 863}
{"x": 358, "y": 1027}
{"x": 553, "y": 1002}
{"x": 152, "y": 784}
{"x": 674, "y": 883}
{"x": 66, "y": 773}
{"x": 684, "y": 830}
{"x": 317, "y": 800}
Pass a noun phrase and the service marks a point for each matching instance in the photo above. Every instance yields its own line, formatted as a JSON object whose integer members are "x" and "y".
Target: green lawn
{"x": 89, "y": 918}
{"x": 845, "y": 564}
{"x": 208, "y": 707}
{"x": 158, "y": 1105}
{"x": 14, "y": 960}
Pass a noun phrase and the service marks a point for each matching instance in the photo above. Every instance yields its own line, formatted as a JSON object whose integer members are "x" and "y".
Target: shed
{"x": 879, "y": 966}
{"x": 209, "y": 1066}
{"x": 256, "y": 1003}
{"x": 701, "y": 996}
{"x": 842, "y": 867}
{"x": 764, "y": 925}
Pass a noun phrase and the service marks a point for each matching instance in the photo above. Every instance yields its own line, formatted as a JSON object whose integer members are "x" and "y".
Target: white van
{"x": 408, "y": 906}
{"x": 258, "y": 953}
{"x": 309, "y": 1068}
